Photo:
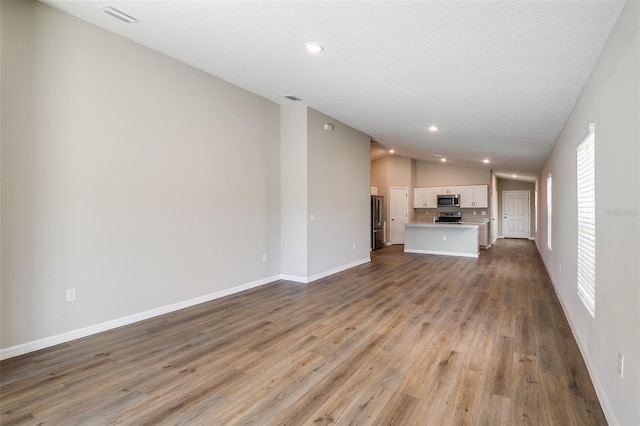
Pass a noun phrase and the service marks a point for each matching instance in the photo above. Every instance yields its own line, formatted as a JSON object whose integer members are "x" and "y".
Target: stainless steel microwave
{"x": 449, "y": 200}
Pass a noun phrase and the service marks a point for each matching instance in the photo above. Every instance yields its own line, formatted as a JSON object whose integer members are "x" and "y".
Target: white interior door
{"x": 515, "y": 214}
{"x": 399, "y": 213}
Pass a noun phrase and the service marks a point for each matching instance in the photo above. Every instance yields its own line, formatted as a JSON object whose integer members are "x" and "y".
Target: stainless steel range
{"x": 448, "y": 218}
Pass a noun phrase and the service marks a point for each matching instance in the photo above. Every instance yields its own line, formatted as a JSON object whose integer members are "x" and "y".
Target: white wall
{"x": 127, "y": 175}
{"x": 611, "y": 99}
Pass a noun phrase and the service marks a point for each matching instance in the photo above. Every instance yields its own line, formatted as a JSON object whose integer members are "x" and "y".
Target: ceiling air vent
{"x": 293, "y": 98}
{"x": 120, "y": 14}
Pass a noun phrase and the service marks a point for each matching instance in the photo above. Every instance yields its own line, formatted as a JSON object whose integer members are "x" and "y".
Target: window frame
{"x": 549, "y": 211}
{"x": 586, "y": 221}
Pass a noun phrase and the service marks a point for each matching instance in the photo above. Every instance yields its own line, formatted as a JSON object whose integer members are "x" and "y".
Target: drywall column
{"x": 293, "y": 192}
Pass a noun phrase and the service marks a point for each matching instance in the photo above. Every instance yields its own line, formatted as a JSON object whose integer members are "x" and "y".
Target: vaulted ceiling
{"x": 498, "y": 78}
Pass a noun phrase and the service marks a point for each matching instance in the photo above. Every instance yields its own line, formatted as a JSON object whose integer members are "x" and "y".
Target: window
{"x": 549, "y": 202}
{"x": 535, "y": 210}
{"x": 587, "y": 221}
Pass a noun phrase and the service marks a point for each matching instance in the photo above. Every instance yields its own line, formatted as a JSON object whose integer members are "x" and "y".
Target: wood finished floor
{"x": 407, "y": 339}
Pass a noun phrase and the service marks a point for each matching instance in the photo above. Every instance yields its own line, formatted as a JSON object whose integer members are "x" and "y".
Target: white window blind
{"x": 549, "y": 210}
{"x": 587, "y": 222}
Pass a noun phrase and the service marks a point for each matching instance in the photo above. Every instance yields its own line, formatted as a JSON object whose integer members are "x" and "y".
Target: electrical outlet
{"x": 264, "y": 257}
{"x": 444, "y": 238}
{"x": 559, "y": 267}
{"x": 620, "y": 364}
{"x": 474, "y": 212}
{"x": 354, "y": 246}
{"x": 71, "y": 294}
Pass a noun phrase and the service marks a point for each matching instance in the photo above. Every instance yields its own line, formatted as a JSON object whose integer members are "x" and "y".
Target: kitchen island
{"x": 442, "y": 239}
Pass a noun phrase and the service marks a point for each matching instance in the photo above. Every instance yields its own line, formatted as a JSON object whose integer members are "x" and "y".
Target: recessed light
{"x": 120, "y": 14}
{"x": 391, "y": 151}
{"x": 514, "y": 176}
{"x": 314, "y": 47}
{"x": 486, "y": 161}
{"x": 444, "y": 160}
{"x": 433, "y": 128}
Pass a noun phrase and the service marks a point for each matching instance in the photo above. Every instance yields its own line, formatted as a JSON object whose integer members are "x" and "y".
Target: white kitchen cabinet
{"x": 425, "y": 198}
{"x": 419, "y": 198}
{"x": 474, "y": 196}
{"x": 448, "y": 190}
{"x": 432, "y": 198}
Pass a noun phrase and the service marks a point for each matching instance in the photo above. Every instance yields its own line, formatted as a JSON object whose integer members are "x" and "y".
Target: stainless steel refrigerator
{"x": 377, "y": 222}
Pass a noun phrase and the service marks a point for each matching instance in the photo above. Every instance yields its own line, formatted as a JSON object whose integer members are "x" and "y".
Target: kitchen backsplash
{"x": 426, "y": 215}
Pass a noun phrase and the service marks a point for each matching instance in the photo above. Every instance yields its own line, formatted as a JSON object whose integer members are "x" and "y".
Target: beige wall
{"x": 393, "y": 171}
{"x": 515, "y": 185}
{"x": 429, "y": 173}
{"x": 147, "y": 184}
{"x": 293, "y": 191}
{"x": 127, "y": 175}
{"x": 610, "y": 99}
{"x": 338, "y": 194}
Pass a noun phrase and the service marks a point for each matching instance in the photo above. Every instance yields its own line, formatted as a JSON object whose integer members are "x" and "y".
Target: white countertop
{"x": 465, "y": 225}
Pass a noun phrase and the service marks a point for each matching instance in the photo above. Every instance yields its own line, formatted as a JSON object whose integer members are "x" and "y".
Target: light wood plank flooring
{"x": 407, "y": 339}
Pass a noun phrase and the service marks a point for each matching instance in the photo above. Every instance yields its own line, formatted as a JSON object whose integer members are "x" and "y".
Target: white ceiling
{"x": 498, "y": 78}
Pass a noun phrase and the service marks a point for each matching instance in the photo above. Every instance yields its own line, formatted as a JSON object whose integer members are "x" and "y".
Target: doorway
{"x": 515, "y": 214}
{"x": 398, "y": 213}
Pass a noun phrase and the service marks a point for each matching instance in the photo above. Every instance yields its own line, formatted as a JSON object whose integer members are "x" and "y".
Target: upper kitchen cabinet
{"x": 425, "y": 198}
{"x": 474, "y": 196}
{"x": 432, "y": 198}
{"x": 419, "y": 198}
{"x": 446, "y": 190}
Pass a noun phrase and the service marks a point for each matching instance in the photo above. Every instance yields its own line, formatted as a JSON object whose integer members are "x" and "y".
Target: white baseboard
{"x": 602, "y": 396}
{"x": 57, "y": 339}
{"x": 338, "y": 269}
{"x": 307, "y": 280}
{"x": 294, "y": 278}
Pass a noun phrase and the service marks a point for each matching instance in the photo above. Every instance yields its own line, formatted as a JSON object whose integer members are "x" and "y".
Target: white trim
{"x": 294, "y": 278}
{"x": 57, "y": 339}
{"x": 504, "y": 213}
{"x": 532, "y": 238}
{"x": 307, "y": 280}
{"x": 46, "y": 342}
{"x": 338, "y": 269}
{"x": 595, "y": 380}
{"x": 442, "y": 253}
